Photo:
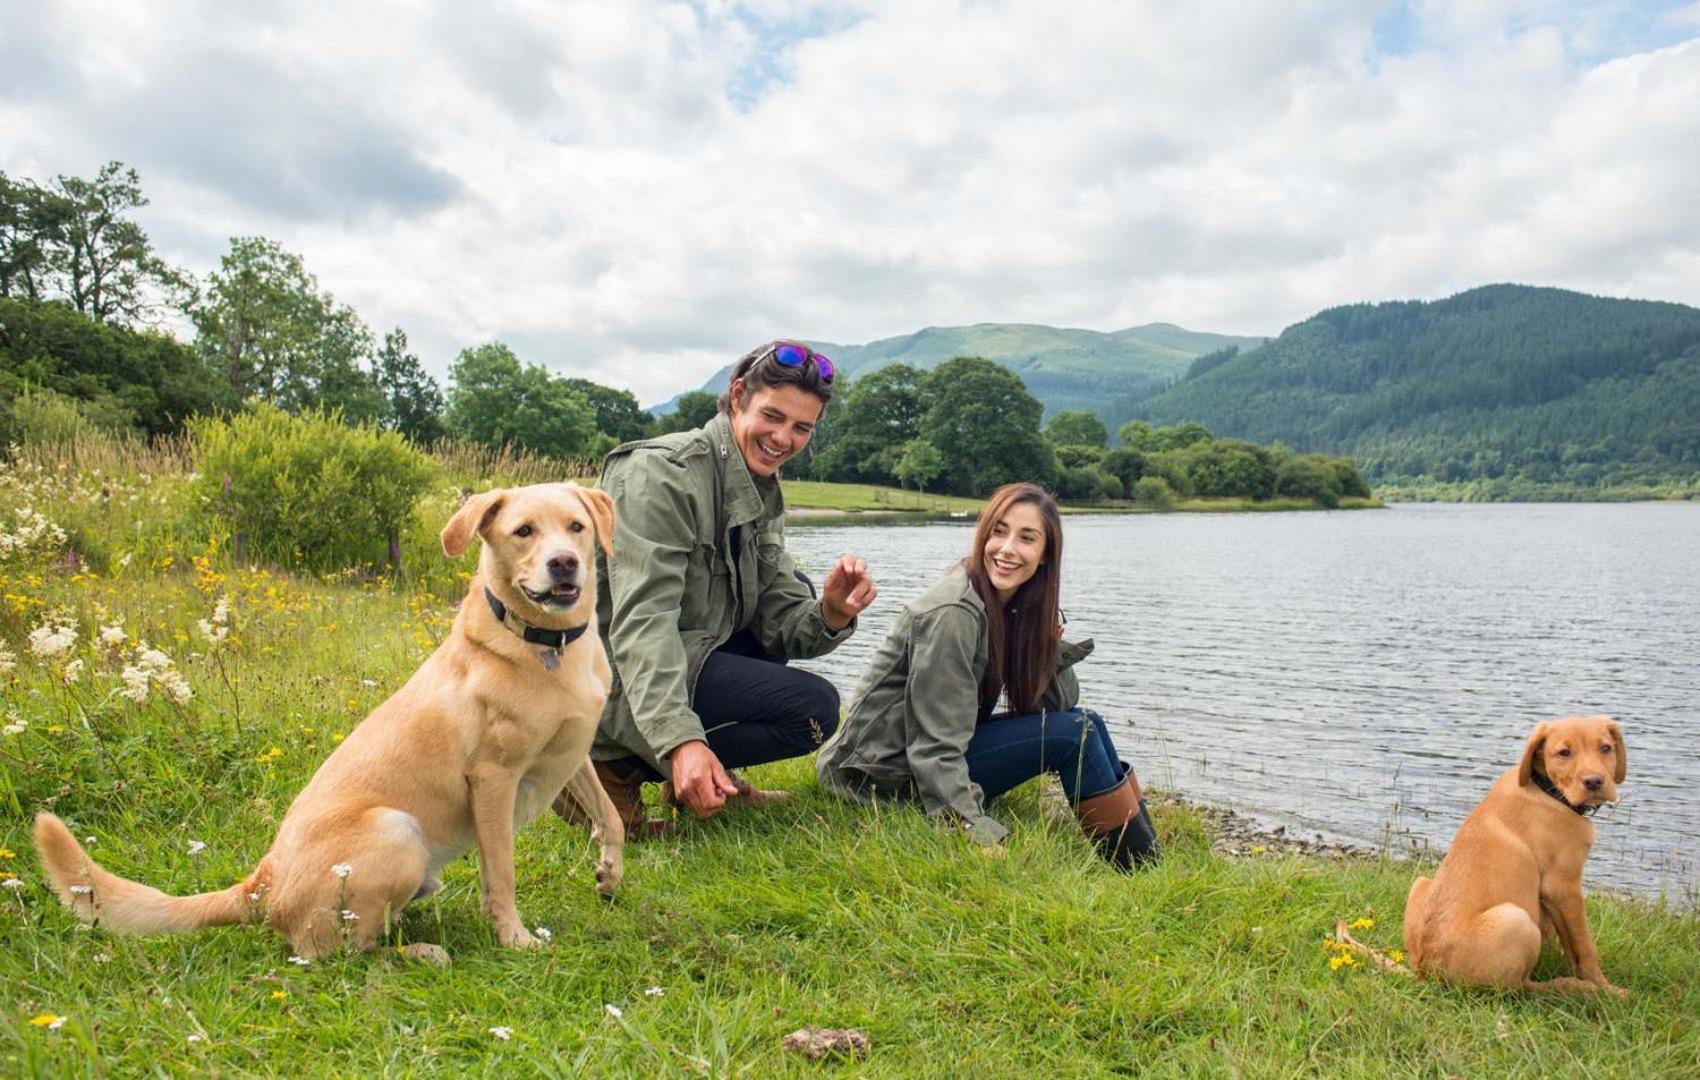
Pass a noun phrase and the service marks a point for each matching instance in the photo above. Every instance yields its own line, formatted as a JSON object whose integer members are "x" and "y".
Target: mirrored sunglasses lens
{"x": 824, "y": 366}
{"x": 790, "y": 355}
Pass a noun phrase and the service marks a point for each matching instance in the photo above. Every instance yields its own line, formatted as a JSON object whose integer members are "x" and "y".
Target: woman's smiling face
{"x": 1015, "y": 549}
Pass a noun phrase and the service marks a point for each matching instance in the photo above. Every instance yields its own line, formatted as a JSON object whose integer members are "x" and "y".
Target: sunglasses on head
{"x": 792, "y": 355}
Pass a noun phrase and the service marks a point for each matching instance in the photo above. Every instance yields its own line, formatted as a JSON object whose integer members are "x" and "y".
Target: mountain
{"x": 1509, "y": 381}
{"x": 1064, "y": 369}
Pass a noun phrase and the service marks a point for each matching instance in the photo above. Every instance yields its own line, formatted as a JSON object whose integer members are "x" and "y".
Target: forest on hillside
{"x": 1501, "y": 383}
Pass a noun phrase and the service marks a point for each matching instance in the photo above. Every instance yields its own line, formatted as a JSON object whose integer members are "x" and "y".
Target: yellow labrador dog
{"x": 1514, "y": 873}
{"x": 477, "y": 743}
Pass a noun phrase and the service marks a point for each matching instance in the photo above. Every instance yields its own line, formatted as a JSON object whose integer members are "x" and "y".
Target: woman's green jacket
{"x": 916, "y": 708}
{"x": 699, "y": 554}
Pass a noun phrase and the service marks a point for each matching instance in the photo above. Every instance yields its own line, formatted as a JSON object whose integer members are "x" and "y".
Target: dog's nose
{"x": 1593, "y": 781}
{"x": 563, "y": 567}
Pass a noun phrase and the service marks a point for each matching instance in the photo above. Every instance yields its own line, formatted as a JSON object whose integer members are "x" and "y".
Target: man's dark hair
{"x": 760, "y": 370}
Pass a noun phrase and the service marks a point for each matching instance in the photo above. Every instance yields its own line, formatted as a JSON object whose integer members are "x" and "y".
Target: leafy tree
{"x": 919, "y": 463}
{"x": 274, "y": 336}
{"x": 1076, "y": 456}
{"x": 1308, "y": 477}
{"x": 1077, "y": 483}
{"x": 1109, "y": 486}
{"x": 880, "y": 414}
{"x": 1138, "y": 435}
{"x": 414, "y": 402}
{"x": 1125, "y": 465}
{"x": 24, "y": 233}
{"x": 694, "y": 410}
{"x": 1154, "y": 491}
{"x": 1230, "y": 468}
{"x": 496, "y": 401}
{"x": 1077, "y": 428}
{"x": 618, "y": 413}
{"x": 981, "y": 417}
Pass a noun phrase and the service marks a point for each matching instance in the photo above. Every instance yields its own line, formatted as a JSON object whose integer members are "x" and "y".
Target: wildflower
{"x": 7, "y": 853}
{"x": 268, "y": 756}
{"x": 299, "y": 961}
{"x": 502, "y": 1033}
{"x": 112, "y": 636}
{"x": 12, "y": 883}
{"x": 654, "y": 991}
{"x": 50, "y": 1021}
{"x": 217, "y": 628}
{"x": 82, "y": 890}
{"x": 195, "y": 1037}
{"x": 1258, "y": 849}
{"x": 368, "y": 683}
{"x": 349, "y": 916}
{"x": 102, "y": 958}
{"x": 1397, "y": 955}
{"x": 197, "y": 846}
{"x": 280, "y": 995}
{"x": 1342, "y": 960}
{"x": 53, "y": 638}
{"x": 73, "y": 671}
{"x": 545, "y": 933}
{"x": 16, "y": 727}
{"x": 613, "y": 1010}
{"x": 151, "y": 669}
{"x": 342, "y": 870}
{"x": 8, "y": 661}
{"x": 1363, "y": 924}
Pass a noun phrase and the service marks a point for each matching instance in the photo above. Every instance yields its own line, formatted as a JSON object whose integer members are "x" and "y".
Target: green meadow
{"x": 175, "y": 737}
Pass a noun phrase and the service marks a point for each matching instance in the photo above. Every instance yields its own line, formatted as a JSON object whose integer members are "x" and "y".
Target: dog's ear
{"x": 1621, "y": 753}
{"x": 601, "y": 507}
{"x": 473, "y": 515}
{"x": 1537, "y": 743}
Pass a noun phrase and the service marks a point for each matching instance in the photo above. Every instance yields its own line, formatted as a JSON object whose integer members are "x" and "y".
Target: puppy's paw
{"x": 425, "y": 953}
{"x": 609, "y": 872}
{"x": 517, "y": 937}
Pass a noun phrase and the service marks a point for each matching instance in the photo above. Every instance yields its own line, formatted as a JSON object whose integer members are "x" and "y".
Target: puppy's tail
{"x": 104, "y": 899}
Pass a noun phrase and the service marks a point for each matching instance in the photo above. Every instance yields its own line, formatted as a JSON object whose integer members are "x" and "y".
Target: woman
{"x": 700, "y": 605}
{"x": 924, "y": 723}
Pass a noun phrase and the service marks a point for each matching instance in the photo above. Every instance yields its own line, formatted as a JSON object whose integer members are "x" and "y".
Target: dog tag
{"x": 551, "y": 658}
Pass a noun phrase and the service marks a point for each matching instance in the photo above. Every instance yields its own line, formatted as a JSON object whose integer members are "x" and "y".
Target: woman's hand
{"x": 847, "y": 593}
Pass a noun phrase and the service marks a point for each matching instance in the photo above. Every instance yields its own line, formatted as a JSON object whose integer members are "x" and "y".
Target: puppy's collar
{"x": 1546, "y": 785}
{"x": 553, "y": 641}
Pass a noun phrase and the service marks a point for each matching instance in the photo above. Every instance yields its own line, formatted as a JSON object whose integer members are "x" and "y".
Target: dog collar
{"x": 1546, "y": 785}
{"x": 553, "y": 641}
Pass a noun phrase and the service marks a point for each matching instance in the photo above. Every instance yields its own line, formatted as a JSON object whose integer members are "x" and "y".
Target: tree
{"x": 618, "y": 413}
{"x": 1138, "y": 435}
{"x": 413, "y": 401}
{"x": 1079, "y": 427}
{"x": 986, "y": 424}
{"x": 24, "y": 255}
{"x": 881, "y": 413}
{"x": 274, "y": 336}
{"x": 919, "y": 463}
{"x": 496, "y": 401}
{"x": 693, "y": 411}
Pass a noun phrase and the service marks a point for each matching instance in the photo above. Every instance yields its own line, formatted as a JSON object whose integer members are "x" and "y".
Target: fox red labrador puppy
{"x": 1514, "y": 873}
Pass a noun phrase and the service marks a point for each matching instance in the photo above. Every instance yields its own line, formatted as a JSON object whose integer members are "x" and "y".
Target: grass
{"x": 722, "y": 940}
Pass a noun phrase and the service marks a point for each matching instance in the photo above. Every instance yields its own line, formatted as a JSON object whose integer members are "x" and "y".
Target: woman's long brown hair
{"x": 1021, "y": 640}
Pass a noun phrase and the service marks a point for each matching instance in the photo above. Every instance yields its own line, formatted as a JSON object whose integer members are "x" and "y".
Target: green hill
{"x": 1063, "y": 368}
{"x": 1506, "y": 381}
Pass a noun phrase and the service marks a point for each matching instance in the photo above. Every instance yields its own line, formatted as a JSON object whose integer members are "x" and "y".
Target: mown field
{"x": 175, "y": 739}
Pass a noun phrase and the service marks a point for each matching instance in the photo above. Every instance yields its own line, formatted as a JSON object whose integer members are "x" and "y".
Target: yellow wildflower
{"x": 7, "y": 853}
{"x": 48, "y": 1020}
{"x": 280, "y": 995}
{"x": 1363, "y": 924}
{"x": 1342, "y": 960}
{"x": 1397, "y": 955}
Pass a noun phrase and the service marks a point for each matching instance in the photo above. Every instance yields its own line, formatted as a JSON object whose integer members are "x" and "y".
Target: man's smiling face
{"x": 772, "y": 424}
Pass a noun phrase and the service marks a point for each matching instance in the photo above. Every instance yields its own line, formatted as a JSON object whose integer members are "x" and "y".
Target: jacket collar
{"x": 745, "y": 498}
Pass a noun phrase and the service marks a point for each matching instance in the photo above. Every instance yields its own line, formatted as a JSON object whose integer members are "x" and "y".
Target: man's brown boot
{"x": 623, "y": 781}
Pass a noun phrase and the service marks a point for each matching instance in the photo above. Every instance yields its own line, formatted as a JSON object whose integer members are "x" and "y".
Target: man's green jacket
{"x": 699, "y": 554}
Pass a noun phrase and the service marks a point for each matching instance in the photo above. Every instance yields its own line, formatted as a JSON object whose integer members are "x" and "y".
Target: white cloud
{"x": 638, "y": 192}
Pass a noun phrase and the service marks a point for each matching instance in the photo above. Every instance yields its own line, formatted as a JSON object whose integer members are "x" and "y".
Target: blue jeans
{"x": 1075, "y": 745}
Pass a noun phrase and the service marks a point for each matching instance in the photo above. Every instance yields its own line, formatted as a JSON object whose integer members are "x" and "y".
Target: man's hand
{"x": 847, "y": 592}
{"x": 699, "y": 780}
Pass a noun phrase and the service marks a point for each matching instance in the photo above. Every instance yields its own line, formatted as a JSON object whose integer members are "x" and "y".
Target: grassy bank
{"x": 723, "y": 940}
{"x": 817, "y": 502}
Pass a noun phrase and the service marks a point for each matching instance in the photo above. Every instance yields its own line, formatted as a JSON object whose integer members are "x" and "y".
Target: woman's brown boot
{"x": 1119, "y": 823}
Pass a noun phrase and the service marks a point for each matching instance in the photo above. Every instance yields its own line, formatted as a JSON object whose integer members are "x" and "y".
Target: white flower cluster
{"x": 30, "y": 530}
{"x": 15, "y": 724}
{"x": 53, "y": 638}
{"x": 216, "y": 629}
{"x": 8, "y": 661}
{"x": 153, "y": 669}
{"x": 112, "y": 636}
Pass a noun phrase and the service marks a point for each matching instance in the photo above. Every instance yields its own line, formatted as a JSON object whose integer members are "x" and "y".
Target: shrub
{"x": 1109, "y": 486}
{"x": 1154, "y": 491}
{"x": 1081, "y": 483}
{"x": 308, "y": 490}
{"x": 1308, "y": 478}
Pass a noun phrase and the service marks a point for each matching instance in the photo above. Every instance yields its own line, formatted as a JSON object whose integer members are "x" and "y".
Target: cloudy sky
{"x": 637, "y": 191}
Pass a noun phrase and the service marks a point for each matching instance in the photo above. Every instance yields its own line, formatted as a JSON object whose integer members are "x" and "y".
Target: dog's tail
{"x": 101, "y": 898}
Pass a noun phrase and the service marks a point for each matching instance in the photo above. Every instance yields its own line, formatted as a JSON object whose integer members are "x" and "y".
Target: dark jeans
{"x": 1075, "y": 745}
{"x": 754, "y": 709}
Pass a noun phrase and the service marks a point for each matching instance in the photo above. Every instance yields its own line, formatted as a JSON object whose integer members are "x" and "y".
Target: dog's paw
{"x": 424, "y": 953}
{"x": 517, "y": 937}
{"x": 609, "y": 872}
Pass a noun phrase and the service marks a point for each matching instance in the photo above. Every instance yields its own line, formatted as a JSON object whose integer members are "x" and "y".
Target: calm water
{"x": 1367, "y": 675}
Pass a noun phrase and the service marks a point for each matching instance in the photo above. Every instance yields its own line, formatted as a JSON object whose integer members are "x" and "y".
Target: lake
{"x": 1366, "y": 675}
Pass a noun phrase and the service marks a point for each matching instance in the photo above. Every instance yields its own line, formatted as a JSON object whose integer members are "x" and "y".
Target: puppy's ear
{"x": 1537, "y": 743}
{"x": 1621, "y": 753}
{"x": 601, "y": 507}
{"x": 473, "y": 515}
